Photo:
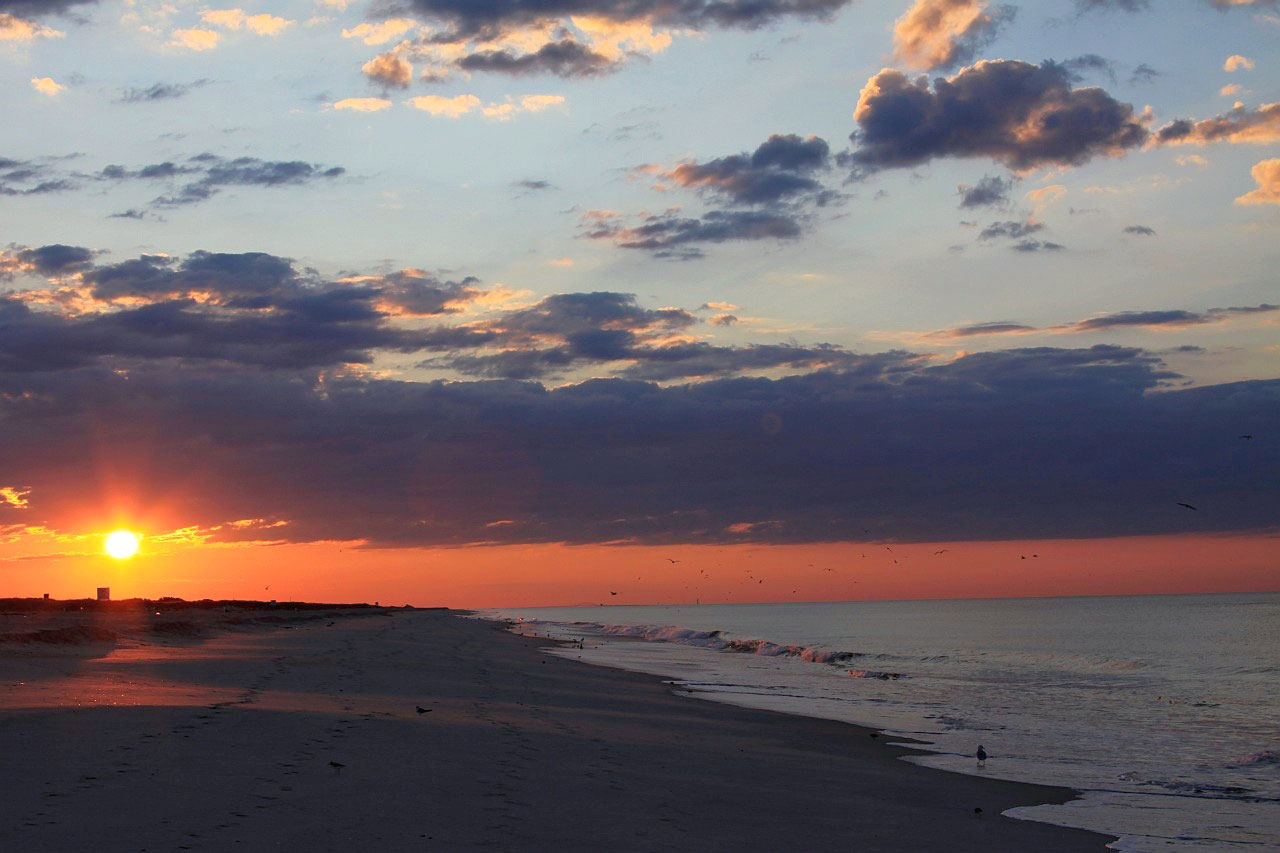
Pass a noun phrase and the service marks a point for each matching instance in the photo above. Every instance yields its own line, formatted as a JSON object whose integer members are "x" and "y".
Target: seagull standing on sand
{"x": 981, "y": 755}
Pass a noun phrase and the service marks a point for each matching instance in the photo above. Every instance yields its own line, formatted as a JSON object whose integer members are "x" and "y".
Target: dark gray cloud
{"x": 210, "y": 173}
{"x": 532, "y": 185}
{"x": 31, "y": 177}
{"x": 1037, "y": 246}
{"x": 1019, "y": 114}
{"x": 1039, "y": 442}
{"x": 565, "y": 58}
{"x": 991, "y": 190}
{"x": 57, "y": 259}
{"x": 669, "y": 235}
{"x": 1140, "y": 230}
{"x": 1153, "y": 319}
{"x": 1089, "y": 63}
{"x": 1166, "y": 318}
{"x": 160, "y": 92}
{"x": 781, "y": 169}
{"x": 466, "y": 19}
{"x": 1143, "y": 73}
{"x": 1010, "y": 229}
{"x": 39, "y": 8}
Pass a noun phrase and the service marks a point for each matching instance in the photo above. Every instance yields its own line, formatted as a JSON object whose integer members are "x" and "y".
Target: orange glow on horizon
{"x": 554, "y": 574}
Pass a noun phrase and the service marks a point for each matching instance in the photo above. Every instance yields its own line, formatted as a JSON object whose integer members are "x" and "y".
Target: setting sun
{"x": 122, "y": 545}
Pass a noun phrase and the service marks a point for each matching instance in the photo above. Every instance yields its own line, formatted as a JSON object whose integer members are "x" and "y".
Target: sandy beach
{"x": 308, "y": 736}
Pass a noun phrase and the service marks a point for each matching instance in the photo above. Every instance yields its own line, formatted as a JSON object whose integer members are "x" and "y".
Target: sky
{"x": 535, "y": 302}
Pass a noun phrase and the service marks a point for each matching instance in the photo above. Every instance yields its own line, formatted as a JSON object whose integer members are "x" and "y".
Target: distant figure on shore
{"x": 982, "y": 756}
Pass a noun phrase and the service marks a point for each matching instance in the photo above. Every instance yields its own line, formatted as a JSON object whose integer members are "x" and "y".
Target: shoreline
{"x": 228, "y": 742}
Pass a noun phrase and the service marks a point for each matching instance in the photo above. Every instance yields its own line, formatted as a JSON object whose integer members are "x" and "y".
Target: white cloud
{"x": 1235, "y": 62}
{"x": 362, "y": 105}
{"x": 380, "y": 33}
{"x": 195, "y": 39}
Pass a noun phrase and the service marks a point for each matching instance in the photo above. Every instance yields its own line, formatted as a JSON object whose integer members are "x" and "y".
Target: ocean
{"x": 1164, "y": 711}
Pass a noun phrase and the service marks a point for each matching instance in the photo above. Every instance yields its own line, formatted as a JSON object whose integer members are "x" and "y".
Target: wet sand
{"x": 227, "y": 744}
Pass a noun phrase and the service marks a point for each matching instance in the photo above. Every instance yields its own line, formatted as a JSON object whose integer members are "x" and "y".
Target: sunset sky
{"x": 517, "y": 302}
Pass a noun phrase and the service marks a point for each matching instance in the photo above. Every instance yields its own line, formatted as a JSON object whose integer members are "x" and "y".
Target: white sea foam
{"x": 1160, "y": 710}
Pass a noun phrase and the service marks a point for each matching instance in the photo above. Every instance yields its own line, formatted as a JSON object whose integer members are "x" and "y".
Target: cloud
{"x": 465, "y": 19}
{"x": 235, "y": 19}
{"x": 437, "y": 105}
{"x": 669, "y": 235}
{"x": 13, "y": 28}
{"x": 47, "y": 86}
{"x": 1037, "y": 246}
{"x": 1235, "y": 62}
{"x": 781, "y": 169}
{"x": 579, "y": 38}
{"x": 991, "y": 190}
{"x": 565, "y": 58}
{"x": 1010, "y": 229}
{"x": 160, "y": 92}
{"x": 460, "y": 105}
{"x": 1140, "y": 230}
{"x": 1107, "y": 5}
{"x": 216, "y": 172}
{"x": 362, "y": 105}
{"x": 195, "y": 39}
{"x": 1090, "y": 62}
{"x": 1267, "y": 175}
{"x": 891, "y": 447}
{"x": 1022, "y": 115}
{"x": 935, "y": 34}
{"x": 1260, "y": 126}
{"x": 382, "y": 32}
{"x": 1143, "y": 73}
{"x": 389, "y": 70}
{"x": 1158, "y": 319}
{"x": 56, "y": 259}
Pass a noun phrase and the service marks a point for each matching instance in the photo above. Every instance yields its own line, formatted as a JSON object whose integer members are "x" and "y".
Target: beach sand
{"x": 225, "y": 743}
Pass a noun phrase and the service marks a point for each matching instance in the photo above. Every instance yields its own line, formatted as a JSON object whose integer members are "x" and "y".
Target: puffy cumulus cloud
{"x": 990, "y": 191}
{"x": 194, "y": 39}
{"x": 56, "y": 259}
{"x": 935, "y": 34}
{"x": 1235, "y": 62}
{"x": 1267, "y": 176}
{"x": 1260, "y": 126}
{"x": 47, "y": 86}
{"x": 362, "y": 105}
{"x": 38, "y": 8}
{"x": 389, "y": 70}
{"x": 1229, "y": 90}
{"x": 885, "y": 446}
{"x": 781, "y": 169}
{"x": 1022, "y": 115}
{"x": 672, "y": 236}
{"x": 13, "y": 28}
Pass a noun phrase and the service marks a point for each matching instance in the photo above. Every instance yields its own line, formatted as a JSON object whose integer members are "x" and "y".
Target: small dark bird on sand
{"x": 337, "y": 767}
{"x": 422, "y": 710}
{"x": 981, "y": 755}
{"x": 1188, "y": 506}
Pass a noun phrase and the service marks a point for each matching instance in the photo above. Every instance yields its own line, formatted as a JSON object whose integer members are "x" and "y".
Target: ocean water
{"x": 1164, "y": 711}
